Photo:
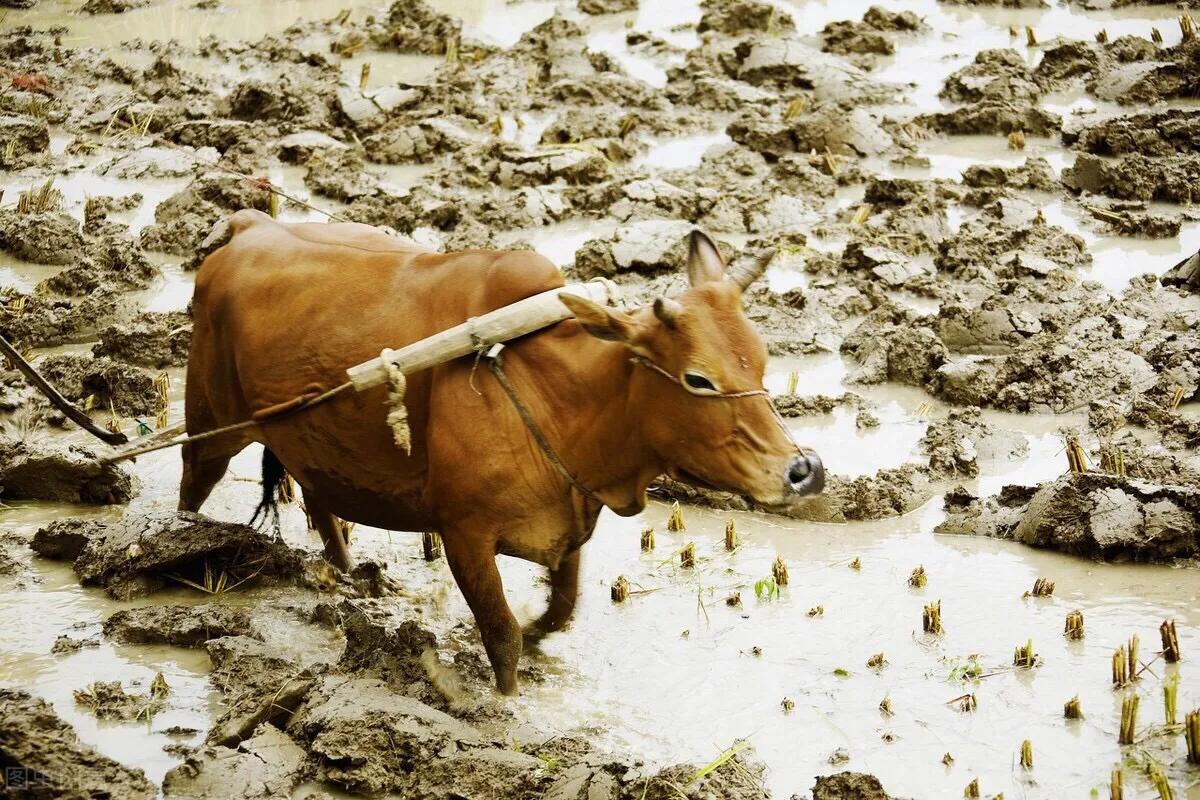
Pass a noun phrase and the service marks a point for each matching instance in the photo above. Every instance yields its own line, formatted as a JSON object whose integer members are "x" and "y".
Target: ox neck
{"x": 582, "y": 399}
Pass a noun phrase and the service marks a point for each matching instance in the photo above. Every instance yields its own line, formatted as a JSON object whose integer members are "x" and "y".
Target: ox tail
{"x": 273, "y": 475}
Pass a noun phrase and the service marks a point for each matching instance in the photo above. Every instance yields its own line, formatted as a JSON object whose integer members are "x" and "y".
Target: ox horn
{"x": 747, "y": 274}
{"x": 667, "y": 310}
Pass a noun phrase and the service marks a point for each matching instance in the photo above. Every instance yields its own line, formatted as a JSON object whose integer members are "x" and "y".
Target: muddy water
{"x": 676, "y": 673}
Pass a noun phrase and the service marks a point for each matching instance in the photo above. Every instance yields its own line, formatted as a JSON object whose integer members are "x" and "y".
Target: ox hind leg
{"x": 564, "y": 590}
{"x": 334, "y": 535}
{"x": 474, "y": 569}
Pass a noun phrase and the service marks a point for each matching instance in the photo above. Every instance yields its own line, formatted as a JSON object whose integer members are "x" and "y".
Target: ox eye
{"x": 698, "y": 383}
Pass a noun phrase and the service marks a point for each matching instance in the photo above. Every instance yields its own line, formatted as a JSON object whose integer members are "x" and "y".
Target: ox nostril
{"x": 806, "y": 475}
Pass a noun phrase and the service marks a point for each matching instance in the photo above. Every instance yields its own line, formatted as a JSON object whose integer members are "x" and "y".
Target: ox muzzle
{"x": 805, "y": 476}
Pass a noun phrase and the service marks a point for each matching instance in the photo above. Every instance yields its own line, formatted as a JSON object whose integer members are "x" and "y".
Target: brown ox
{"x": 283, "y": 309}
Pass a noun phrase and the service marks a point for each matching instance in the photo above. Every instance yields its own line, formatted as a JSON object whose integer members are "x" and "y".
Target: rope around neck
{"x": 493, "y": 358}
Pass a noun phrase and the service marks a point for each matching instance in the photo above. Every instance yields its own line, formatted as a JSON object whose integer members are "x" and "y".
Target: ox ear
{"x": 705, "y": 264}
{"x": 610, "y": 324}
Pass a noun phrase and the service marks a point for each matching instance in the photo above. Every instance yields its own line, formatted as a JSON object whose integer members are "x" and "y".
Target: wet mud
{"x": 984, "y": 235}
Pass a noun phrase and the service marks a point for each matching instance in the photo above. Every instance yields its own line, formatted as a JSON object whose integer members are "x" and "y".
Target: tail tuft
{"x": 273, "y": 474}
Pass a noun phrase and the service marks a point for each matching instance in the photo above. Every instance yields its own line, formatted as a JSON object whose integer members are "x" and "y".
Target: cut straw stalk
{"x": 731, "y": 536}
{"x": 1076, "y": 457}
{"x": 1116, "y": 786}
{"x": 779, "y": 571}
{"x": 885, "y": 706}
{"x": 1170, "y": 701}
{"x": 877, "y": 661}
{"x": 1024, "y": 656}
{"x": 687, "y": 556}
{"x": 1187, "y": 27}
{"x": 647, "y": 540}
{"x": 364, "y": 76}
{"x": 1074, "y": 625}
{"x": 1102, "y": 36}
{"x": 1191, "y": 731}
{"x": 1016, "y": 140}
{"x": 675, "y": 522}
{"x": 1072, "y": 709}
{"x": 1159, "y": 781}
{"x": 793, "y": 382}
{"x": 1042, "y": 588}
{"x": 1030, "y": 36}
{"x": 931, "y": 618}
{"x": 1129, "y": 709}
{"x": 1120, "y": 668}
{"x": 972, "y": 789}
{"x": 918, "y": 579}
{"x": 1170, "y": 641}
{"x": 620, "y": 590}
{"x": 1156, "y": 36}
{"x": 431, "y": 545}
{"x": 1027, "y": 754}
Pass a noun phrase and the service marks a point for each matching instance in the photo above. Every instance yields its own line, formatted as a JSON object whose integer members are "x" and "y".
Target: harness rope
{"x": 493, "y": 358}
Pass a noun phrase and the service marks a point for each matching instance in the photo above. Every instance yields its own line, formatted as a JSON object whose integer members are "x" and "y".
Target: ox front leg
{"x": 564, "y": 590}
{"x": 474, "y": 567}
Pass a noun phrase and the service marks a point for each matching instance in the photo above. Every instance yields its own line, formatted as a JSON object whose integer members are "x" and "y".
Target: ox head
{"x": 700, "y": 394}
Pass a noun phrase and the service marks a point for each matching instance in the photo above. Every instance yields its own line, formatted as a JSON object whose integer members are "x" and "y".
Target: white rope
{"x": 397, "y": 416}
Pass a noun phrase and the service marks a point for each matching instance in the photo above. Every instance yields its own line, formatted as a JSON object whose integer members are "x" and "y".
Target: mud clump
{"x": 29, "y": 136}
{"x": 994, "y": 75}
{"x": 109, "y": 700}
{"x": 738, "y": 778}
{"x": 1159, "y": 133}
{"x": 182, "y": 626}
{"x": 1010, "y": 237}
{"x": 1036, "y": 174}
{"x": 151, "y": 339}
{"x": 1090, "y": 514}
{"x": 848, "y": 786}
{"x": 46, "y": 321}
{"x": 850, "y": 38}
{"x": 414, "y": 27}
{"x": 888, "y": 493}
{"x": 369, "y": 739}
{"x": 1184, "y": 274}
{"x": 992, "y": 116}
{"x": 60, "y": 474}
{"x": 1132, "y": 219}
{"x": 892, "y": 344}
{"x": 111, "y": 384}
{"x": 736, "y": 17}
{"x": 111, "y": 6}
{"x": 44, "y": 238}
{"x": 268, "y": 764}
{"x": 140, "y": 553}
{"x": 955, "y": 445}
{"x": 607, "y": 6}
{"x": 1136, "y": 177}
{"x": 46, "y": 754}
{"x": 650, "y": 246}
{"x": 182, "y": 221}
{"x": 111, "y": 262}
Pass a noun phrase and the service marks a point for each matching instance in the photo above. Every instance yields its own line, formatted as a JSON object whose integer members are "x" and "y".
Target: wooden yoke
{"x": 509, "y": 322}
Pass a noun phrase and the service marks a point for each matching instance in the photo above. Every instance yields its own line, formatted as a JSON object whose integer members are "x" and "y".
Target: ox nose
{"x": 805, "y": 475}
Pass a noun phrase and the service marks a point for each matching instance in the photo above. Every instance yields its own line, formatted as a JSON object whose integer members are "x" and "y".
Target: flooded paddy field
{"x": 980, "y": 313}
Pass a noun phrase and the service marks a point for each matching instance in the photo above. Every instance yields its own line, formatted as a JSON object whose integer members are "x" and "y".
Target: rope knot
{"x": 397, "y": 416}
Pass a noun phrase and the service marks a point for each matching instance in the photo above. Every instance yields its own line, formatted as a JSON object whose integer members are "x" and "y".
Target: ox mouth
{"x": 693, "y": 479}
